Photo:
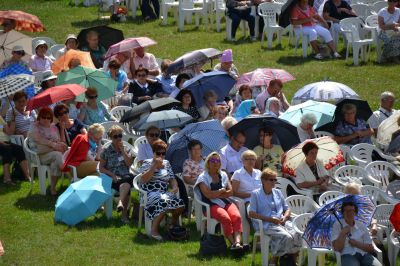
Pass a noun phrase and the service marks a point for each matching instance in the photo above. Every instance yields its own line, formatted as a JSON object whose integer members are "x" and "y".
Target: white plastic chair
{"x": 371, "y": 23}
{"x": 143, "y": 202}
{"x": 133, "y": 4}
{"x": 352, "y": 28}
{"x": 74, "y": 172}
{"x": 17, "y": 139}
{"x": 379, "y": 173}
{"x": 119, "y": 111}
{"x": 298, "y": 34}
{"x": 382, "y": 214}
{"x": 394, "y": 242}
{"x": 138, "y": 141}
{"x": 362, "y": 10}
{"x": 205, "y": 218}
{"x": 49, "y": 41}
{"x": 269, "y": 12}
{"x": 377, "y": 195}
{"x": 165, "y": 6}
{"x": 188, "y": 8}
{"x": 319, "y": 134}
{"x": 377, "y": 251}
{"x": 241, "y": 204}
{"x": 348, "y": 156}
{"x": 328, "y": 196}
{"x": 264, "y": 241}
{"x": 350, "y": 173}
{"x": 284, "y": 183}
{"x": 54, "y": 49}
{"x": 377, "y": 6}
{"x": 299, "y": 204}
{"x": 220, "y": 11}
{"x": 362, "y": 154}
{"x": 190, "y": 201}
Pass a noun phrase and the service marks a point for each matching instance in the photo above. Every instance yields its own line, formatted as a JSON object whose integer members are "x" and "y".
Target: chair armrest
{"x": 378, "y": 252}
{"x": 374, "y": 181}
{"x": 207, "y": 206}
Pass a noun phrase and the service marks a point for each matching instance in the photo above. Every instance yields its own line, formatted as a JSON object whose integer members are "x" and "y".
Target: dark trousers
{"x": 9, "y": 151}
{"x": 182, "y": 192}
{"x": 147, "y": 10}
{"x": 237, "y": 15}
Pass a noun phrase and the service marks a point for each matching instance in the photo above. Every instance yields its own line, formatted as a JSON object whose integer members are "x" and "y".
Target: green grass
{"x": 27, "y": 230}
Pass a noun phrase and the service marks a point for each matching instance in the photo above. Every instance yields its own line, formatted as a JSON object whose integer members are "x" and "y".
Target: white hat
{"x": 48, "y": 75}
{"x": 41, "y": 42}
{"x": 71, "y": 36}
{"x": 17, "y": 48}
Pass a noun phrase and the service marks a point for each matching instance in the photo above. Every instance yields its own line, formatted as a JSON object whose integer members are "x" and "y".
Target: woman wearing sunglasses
{"x": 115, "y": 161}
{"x": 68, "y": 128}
{"x": 45, "y": 140}
{"x": 94, "y": 111}
{"x": 215, "y": 190}
{"x": 145, "y": 151}
{"x": 268, "y": 205}
{"x": 157, "y": 176}
{"x": 16, "y": 58}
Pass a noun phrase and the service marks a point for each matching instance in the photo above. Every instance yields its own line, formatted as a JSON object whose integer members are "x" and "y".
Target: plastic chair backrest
{"x": 119, "y": 111}
{"x": 377, "y": 6}
{"x": 374, "y": 193}
{"x": 33, "y": 157}
{"x": 382, "y": 214}
{"x": 351, "y": 28}
{"x": 17, "y": 139}
{"x": 220, "y": 5}
{"x": 372, "y": 21}
{"x": 362, "y": 152}
{"x": 380, "y": 170}
{"x": 328, "y": 196}
{"x": 300, "y": 222}
{"x": 299, "y": 204}
{"x": 361, "y": 10}
{"x": 350, "y": 173}
{"x": 186, "y": 4}
{"x": 269, "y": 12}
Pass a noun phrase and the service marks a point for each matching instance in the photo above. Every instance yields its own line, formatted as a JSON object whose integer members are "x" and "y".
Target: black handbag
{"x": 212, "y": 245}
{"x": 178, "y": 233}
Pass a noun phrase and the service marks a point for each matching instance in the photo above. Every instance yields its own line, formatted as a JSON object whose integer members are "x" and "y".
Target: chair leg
{"x": 140, "y": 217}
{"x": 108, "y": 206}
{"x": 312, "y": 257}
{"x": 264, "y": 250}
{"x": 147, "y": 225}
{"x": 270, "y": 37}
{"x": 254, "y": 248}
{"x": 164, "y": 14}
{"x": 356, "y": 53}
{"x": 181, "y": 20}
{"x": 42, "y": 173}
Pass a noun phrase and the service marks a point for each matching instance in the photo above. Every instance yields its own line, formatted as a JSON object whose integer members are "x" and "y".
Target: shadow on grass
{"x": 199, "y": 257}
{"x": 5, "y": 189}
{"x": 293, "y": 60}
{"x": 36, "y": 202}
{"x": 279, "y": 47}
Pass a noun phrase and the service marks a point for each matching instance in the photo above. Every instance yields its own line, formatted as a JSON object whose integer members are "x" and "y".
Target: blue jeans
{"x": 237, "y": 15}
{"x": 360, "y": 260}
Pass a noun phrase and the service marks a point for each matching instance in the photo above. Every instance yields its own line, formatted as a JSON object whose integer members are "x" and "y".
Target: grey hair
{"x": 352, "y": 188}
{"x": 348, "y": 107}
{"x": 387, "y": 94}
{"x": 248, "y": 153}
{"x": 95, "y": 129}
{"x": 228, "y": 122}
{"x": 308, "y": 118}
{"x": 270, "y": 101}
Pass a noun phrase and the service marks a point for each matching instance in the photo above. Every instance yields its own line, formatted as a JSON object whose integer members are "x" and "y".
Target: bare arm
{"x": 127, "y": 159}
{"x": 338, "y": 243}
{"x": 210, "y": 194}
{"x": 365, "y": 247}
{"x": 236, "y": 193}
{"x": 384, "y": 26}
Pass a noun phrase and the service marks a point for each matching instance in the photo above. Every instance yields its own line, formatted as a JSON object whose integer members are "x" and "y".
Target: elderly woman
{"x": 268, "y": 205}
{"x": 116, "y": 73}
{"x": 18, "y": 119}
{"x": 71, "y": 43}
{"x": 238, "y": 10}
{"x": 48, "y": 145}
{"x": 210, "y": 100}
{"x": 126, "y": 61}
{"x": 351, "y": 238}
{"x": 306, "y": 16}
{"x": 94, "y": 111}
{"x": 194, "y": 165}
{"x": 85, "y": 152}
{"x": 246, "y": 179}
{"x": 227, "y": 123}
{"x": 156, "y": 176}
{"x": 17, "y": 53}
{"x": 226, "y": 64}
{"x": 145, "y": 151}
{"x": 274, "y": 89}
{"x": 219, "y": 112}
{"x": 305, "y": 128}
{"x": 40, "y": 61}
{"x": 215, "y": 190}
{"x": 268, "y": 154}
{"x": 97, "y": 51}
{"x": 115, "y": 161}
{"x": 352, "y": 130}
{"x": 68, "y": 128}
{"x": 389, "y": 24}
{"x": 272, "y": 107}
{"x": 246, "y": 108}
{"x": 48, "y": 81}
{"x": 188, "y": 104}
{"x": 142, "y": 88}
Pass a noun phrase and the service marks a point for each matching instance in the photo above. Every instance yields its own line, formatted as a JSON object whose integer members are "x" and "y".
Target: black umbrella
{"x": 285, "y": 132}
{"x": 363, "y": 112}
{"x": 107, "y": 36}
{"x": 147, "y": 107}
{"x": 284, "y": 17}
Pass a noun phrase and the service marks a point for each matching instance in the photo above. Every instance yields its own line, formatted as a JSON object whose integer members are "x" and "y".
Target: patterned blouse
{"x": 115, "y": 162}
{"x": 98, "y": 115}
{"x": 192, "y": 168}
{"x": 192, "y": 111}
{"x": 345, "y": 129}
{"x": 160, "y": 177}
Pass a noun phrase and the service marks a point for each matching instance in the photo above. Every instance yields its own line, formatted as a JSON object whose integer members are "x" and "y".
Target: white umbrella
{"x": 324, "y": 91}
{"x": 9, "y": 40}
{"x": 387, "y": 128}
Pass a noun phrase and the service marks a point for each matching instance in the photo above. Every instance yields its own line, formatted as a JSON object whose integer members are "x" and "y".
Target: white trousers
{"x": 312, "y": 32}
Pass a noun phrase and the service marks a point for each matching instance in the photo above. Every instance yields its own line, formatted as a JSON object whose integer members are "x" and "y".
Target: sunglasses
{"x": 271, "y": 180}
{"x": 19, "y": 52}
{"x": 154, "y": 135}
{"x": 92, "y": 96}
{"x": 46, "y": 117}
{"x": 118, "y": 136}
{"x": 160, "y": 153}
{"x": 214, "y": 160}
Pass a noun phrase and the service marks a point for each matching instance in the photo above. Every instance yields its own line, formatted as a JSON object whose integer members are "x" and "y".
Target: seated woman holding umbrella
{"x": 142, "y": 88}
{"x": 68, "y": 128}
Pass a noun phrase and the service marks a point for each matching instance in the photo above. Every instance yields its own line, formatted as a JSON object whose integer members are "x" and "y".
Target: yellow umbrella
{"x": 61, "y": 64}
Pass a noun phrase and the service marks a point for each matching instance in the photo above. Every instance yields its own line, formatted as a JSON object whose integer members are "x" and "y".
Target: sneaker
{"x": 318, "y": 56}
{"x": 336, "y": 55}
{"x": 253, "y": 38}
{"x": 233, "y": 39}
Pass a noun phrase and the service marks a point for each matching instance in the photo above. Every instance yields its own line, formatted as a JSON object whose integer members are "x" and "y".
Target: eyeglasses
{"x": 271, "y": 180}
{"x": 214, "y": 160}
{"x": 154, "y": 135}
{"x": 92, "y": 96}
{"x": 160, "y": 153}
{"x": 141, "y": 75}
{"x": 118, "y": 136}
{"x": 46, "y": 117}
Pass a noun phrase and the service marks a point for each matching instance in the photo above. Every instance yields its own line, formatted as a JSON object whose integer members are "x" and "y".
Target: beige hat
{"x": 71, "y": 36}
{"x": 41, "y": 42}
{"x": 17, "y": 48}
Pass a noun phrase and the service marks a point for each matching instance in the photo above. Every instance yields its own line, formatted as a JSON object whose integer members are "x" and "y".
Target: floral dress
{"x": 159, "y": 200}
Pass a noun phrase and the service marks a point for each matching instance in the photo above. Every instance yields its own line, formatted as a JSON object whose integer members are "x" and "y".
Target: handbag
{"x": 178, "y": 233}
{"x": 212, "y": 245}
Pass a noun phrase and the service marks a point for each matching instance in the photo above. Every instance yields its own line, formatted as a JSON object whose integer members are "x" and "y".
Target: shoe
{"x": 233, "y": 39}
{"x": 318, "y": 56}
{"x": 125, "y": 220}
{"x": 246, "y": 247}
{"x": 119, "y": 207}
{"x": 336, "y": 55}
{"x": 253, "y": 38}
{"x": 9, "y": 182}
{"x": 236, "y": 246}
{"x": 157, "y": 237}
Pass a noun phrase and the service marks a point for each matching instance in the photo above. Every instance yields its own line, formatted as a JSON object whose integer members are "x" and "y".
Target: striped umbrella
{"x": 13, "y": 83}
{"x": 24, "y": 21}
{"x": 262, "y": 76}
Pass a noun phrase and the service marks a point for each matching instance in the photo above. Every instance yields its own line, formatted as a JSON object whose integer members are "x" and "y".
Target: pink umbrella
{"x": 262, "y": 76}
{"x": 129, "y": 44}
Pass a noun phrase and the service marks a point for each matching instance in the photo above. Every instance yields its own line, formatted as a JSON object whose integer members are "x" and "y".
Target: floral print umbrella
{"x": 262, "y": 76}
{"x": 24, "y": 21}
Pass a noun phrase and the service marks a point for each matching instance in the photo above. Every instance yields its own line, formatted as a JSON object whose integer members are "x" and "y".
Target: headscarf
{"x": 244, "y": 109}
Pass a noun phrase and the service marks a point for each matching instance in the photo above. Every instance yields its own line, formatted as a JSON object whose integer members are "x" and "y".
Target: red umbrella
{"x": 129, "y": 44}
{"x": 25, "y": 21}
{"x": 262, "y": 77}
{"x": 395, "y": 217}
{"x": 55, "y": 94}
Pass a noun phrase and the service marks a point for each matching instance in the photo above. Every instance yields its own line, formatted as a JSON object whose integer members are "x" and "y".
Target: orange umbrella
{"x": 25, "y": 21}
{"x": 61, "y": 64}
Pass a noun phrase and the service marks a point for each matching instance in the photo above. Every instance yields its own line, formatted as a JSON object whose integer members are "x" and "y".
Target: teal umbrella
{"x": 89, "y": 77}
{"x": 322, "y": 110}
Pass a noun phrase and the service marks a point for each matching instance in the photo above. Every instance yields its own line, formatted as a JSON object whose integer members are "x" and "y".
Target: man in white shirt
{"x": 231, "y": 153}
{"x": 146, "y": 60}
{"x": 385, "y": 111}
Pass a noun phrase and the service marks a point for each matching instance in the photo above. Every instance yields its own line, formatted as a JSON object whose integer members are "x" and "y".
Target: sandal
{"x": 157, "y": 237}
{"x": 318, "y": 56}
{"x": 236, "y": 246}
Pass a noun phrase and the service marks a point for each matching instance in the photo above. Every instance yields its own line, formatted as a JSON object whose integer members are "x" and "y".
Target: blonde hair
{"x": 96, "y": 129}
{"x": 268, "y": 172}
{"x": 248, "y": 153}
{"x": 214, "y": 153}
{"x": 352, "y": 188}
{"x": 114, "y": 129}
{"x": 228, "y": 122}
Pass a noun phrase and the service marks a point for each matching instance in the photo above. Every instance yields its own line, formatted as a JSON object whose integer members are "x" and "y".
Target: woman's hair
{"x": 266, "y": 173}
{"x": 114, "y": 64}
{"x": 159, "y": 145}
{"x": 209, "y": 94}
{"x": 90, "y": 91}
{"x": 348, "y": 107}
{"x": 248, "y": 153}
{"x": 243, "y": 88}
{"x": 96, "y": 129}
{"x": 45, "y": 112}
{"x": 271, "y": 100}
{"x": 18, "y": 95}
{"x": 180, "y": 77}
{"x": 141, "y": 69}
{"x": 308, "y": 147}
{"x": 228, "y": 122}
{"x": 165, "y": 64}
{"x": 218, "y": 108}
{"x": 182, "y": 93}
{"x": 352, "y": 188}
{"x": 276, "y": 82}
{"x": 348, "y": 203}
{"x": 150, "y": 128}
{"x": 308, "y": 118}
{"x": 214, "y": 153}
{"x": 266, "y": 130}
{"x": 92, "y": 33}
{"x": 193, "y": 143}
{"x": 59, "y": 108}
{"x": 114, "y": 129}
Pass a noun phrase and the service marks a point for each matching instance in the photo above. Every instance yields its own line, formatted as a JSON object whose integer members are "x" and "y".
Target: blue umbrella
{"x": 319, "y": 229}
{"x": 163, "y": 120}
{"x": 322, "y": 110}
{"x": 82, "y": 199}
{"x": 210, "y": 133}
{"x": 218, "y": 81}
{"x": 16, "y": 69}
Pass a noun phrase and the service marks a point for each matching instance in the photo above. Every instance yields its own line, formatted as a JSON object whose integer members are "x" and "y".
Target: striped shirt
{"x": 22, "y": 122}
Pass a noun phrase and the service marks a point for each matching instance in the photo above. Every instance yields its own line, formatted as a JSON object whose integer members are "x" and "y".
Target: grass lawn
{"x": 27, "y": 230}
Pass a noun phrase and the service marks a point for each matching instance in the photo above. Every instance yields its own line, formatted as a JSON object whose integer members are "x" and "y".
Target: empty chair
{"x": 268, "y": 12}
{"x": 350, "y": 173}
{"x": 362, "y": 154}
{"x": 328, "y": 196}
{"x": 301, "y": 204}
{"x": 362, "y": 10}
{"x": 119, "y": 111}
{"x": 188, "y": 8}
{"x": 165, "y": 6}
{"x": 377, "y": 195}
{"x": 379, "y": 173}
{"x": 284, "y": 183}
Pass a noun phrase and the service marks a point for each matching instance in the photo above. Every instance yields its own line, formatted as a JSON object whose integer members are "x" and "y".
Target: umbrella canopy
{"x": 9, "y": 39}
{"x": 14, "y": 83}
{"x": 107, "y": 36}
{"x": 147, "y": 107}
{"x": 387, "y": 128}
{"x": 319, "y": 229}
{"x": 17, "y": 69}
{"x": 25, "y": 21}
{"x": 220, "y": 82}
{"x": 329, "y": 153}
{"x": 324, "y": 91}
{"x": 163, "y": 120}
{"x": 395, "y": 217}
{"x": 88, "y": 77}
{"x": 323, "y": 111}
{"x": 129, "y": 44}
{"x": 61, "y": 64}
{"x": 82, "y": 199}
{"x": 192, "y": 58}
{"x": 262, "y": 76}
{"x": 178, "y": 152}
{"x": 54, "y": 95}
{"x": 284, "y": 132}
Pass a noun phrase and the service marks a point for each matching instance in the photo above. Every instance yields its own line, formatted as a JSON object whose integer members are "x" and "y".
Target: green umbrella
{"x": 89, "y": 77}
